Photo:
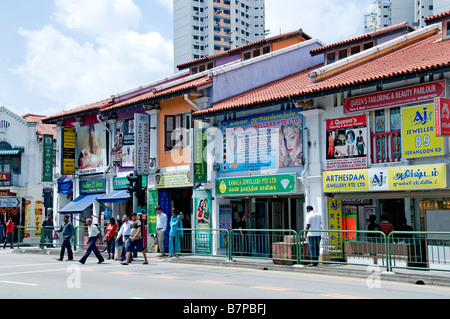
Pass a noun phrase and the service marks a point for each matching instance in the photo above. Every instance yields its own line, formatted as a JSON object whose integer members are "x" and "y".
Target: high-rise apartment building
{"x": 391, "y": 12}
{"x": 207, "y": 27}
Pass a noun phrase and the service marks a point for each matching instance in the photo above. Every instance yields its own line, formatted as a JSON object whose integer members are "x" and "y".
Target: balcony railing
{"x": 386, "y": 147}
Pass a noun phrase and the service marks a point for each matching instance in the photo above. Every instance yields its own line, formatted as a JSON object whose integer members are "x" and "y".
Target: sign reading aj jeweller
{"x": 401, "y": 96}
{"x": 418, "y": 177}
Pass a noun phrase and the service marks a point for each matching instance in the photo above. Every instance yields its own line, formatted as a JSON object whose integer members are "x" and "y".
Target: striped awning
{"x": 11, "y": 152}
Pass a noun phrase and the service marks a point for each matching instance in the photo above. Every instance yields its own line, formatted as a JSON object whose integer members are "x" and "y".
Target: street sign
{"x": 10, "y": 202}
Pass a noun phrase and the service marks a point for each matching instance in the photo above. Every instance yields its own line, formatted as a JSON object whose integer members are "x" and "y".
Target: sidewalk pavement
{"x": 422, "y": 277}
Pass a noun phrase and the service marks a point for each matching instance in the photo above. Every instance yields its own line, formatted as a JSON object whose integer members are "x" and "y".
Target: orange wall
{"x": 176, "y": 157}
{"x": 286, "y": 43}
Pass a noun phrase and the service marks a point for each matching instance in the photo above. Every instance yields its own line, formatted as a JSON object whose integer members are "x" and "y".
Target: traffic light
{"x": 133, "y": 181}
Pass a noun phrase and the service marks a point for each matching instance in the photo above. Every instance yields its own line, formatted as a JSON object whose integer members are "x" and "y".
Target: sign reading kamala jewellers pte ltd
{"x": 268, "y": 184}
{"x": 401, "y": 96}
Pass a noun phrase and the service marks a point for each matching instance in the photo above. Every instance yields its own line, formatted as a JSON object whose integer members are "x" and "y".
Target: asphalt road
{"x": 35, "y": 276}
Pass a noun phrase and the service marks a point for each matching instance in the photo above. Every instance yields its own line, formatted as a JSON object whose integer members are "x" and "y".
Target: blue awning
{"x": 80, "y": 204}
{"x": 117, "y": 196}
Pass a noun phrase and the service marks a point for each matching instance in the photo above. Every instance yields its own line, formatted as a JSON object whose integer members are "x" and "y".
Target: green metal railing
{"x": 81, "y": 237}
{"x": 201, "y": 241}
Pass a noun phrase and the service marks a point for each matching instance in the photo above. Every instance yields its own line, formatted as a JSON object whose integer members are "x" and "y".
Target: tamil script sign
{"x": 418, "y": 177}
{"x": 402, "y": 96}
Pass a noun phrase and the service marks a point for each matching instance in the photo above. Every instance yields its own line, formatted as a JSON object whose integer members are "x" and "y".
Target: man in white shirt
{"x": 125, "y": 232}
{"x": 161, "y": 226}
{"x": 93, "y": 233}
{"x": 313, "y": 222}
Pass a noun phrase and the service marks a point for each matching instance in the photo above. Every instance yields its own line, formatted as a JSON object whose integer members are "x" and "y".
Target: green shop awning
{"x": 11, "y": 152}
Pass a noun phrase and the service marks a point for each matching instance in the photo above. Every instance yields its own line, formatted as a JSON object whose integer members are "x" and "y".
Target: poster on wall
{"x": 268, "y": 140}
{"x": 68, "y": 154}
{"x": 122, "y": 153}
{"x": 202, "y": 206}
{"x": 346, "y": 143}
{"x": 91, "y": 149}
{"x": 418, "y": 132}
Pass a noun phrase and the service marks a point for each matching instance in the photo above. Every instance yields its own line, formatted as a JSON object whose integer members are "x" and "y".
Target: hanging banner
{"x": 346, "y": 143}
{"x": 401, "y": 96}
{"x": 418, "y": 132}
{"x": 267, "y": 140}
{"x": 47, "y": 161}
{"x": 68, "y": 154}
{"x": 442, "y": 116}
{"x": 200, "y": 165}
{"x": 142, "y": 143}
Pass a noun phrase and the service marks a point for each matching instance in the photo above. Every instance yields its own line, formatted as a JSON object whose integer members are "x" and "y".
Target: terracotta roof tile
{"x": 42, "y": 129}
{"x": 366, "y": 36}
{"x": 198, "y": 82}
{"x": 82, "y": 109}
{"x": 246, "y": 46}
{"x": 437, "y": 16}
{"x": 426, "y": 54}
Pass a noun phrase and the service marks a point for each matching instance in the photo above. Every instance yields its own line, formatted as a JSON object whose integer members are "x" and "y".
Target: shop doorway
{"x": 394, "y": 209}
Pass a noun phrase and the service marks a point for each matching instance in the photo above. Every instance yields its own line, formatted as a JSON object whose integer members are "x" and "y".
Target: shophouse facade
{"x": 25, "y": 173}
{"x": 365, "y": 150}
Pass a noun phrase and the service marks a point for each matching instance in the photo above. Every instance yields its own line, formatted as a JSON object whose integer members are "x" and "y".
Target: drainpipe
{"x": 99, "y": 119}
{"x": 306, "y": 168}
{"x": 186, "y": 98}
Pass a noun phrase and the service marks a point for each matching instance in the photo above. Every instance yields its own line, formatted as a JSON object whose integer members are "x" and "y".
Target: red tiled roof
{"x": 43, "y": 129}
{"x": 366, "y": 36}
{"x": 437, "y": 16}
{"x": 82, "y": 109}
{"x": 275, "y": 91}
{"x": 159, "y": 94}
{"x": 246, "y": 46}
{"x": 424, "y": 55}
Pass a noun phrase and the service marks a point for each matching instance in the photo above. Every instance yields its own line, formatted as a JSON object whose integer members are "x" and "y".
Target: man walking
{"x": 314, "y": 222}
{"x": 161, "y": 226}
{"x": 135, "y": 239}
{"x": 68, "y": 231}
{"x": 93, "y": 236}
{"x": 124, "y": 232}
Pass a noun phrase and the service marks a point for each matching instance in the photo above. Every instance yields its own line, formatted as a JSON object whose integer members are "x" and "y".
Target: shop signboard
{"x": 47, "y": 160}
{"x": 442, "y": 116}
{"x": 152, "y": 203}
{"x": 347, "y": 143}
{"x": 122, "y": 153}
{"x": 91, "y": 149}
{"x": 122, "y": 182}
{"x": 267, "y": 184}
{"x": 260, "y": 141}
{"x": 68, "y": 154}
{"x": 5, "y": 177}
{"x": 173, "y": 179}
{"x": 200, "y": 165}
{"x": 142, "y": 143}
{"x": 93, "y": 186}
{"x": 401, "y": 96}
{"x": 400, "y": 178}
{"x": 335, "y": 226}
{"x": 418, "y": 132}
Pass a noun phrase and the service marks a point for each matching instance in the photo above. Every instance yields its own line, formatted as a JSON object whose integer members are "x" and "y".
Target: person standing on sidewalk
{"x": 9, "y": 233}
{"x": 161, "y": 226}
{"x": 68, "y": 231}
{"x": 47, "y": 228}
{"x": 313, "y": 222}
{"x": 94, "y": 234}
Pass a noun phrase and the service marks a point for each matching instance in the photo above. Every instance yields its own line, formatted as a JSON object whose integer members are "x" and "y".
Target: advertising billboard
{"x": 91, "y": 149}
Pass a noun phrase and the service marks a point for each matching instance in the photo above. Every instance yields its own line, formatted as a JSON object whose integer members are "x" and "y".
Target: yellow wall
{"x": 176, "y": 157}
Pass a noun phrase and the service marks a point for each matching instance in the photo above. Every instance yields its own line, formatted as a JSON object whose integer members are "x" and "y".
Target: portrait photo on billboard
{"x": 123, "y": 150}
{"x": 346, "y": 143}
{"x": 91, "y": 149}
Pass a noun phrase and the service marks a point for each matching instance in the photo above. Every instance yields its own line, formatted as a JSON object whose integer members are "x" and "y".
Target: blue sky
{"x": 59, "y": 54}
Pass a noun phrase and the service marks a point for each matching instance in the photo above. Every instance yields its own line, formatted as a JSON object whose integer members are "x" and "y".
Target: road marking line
{"x": 19, "y": 283}
{"x": 122, "y": 273}
{"x": 214, "y": 282}
{"x": 343, "y": 296}
{"x": 164, "y": 277}
{"x": 272, "y": 288}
